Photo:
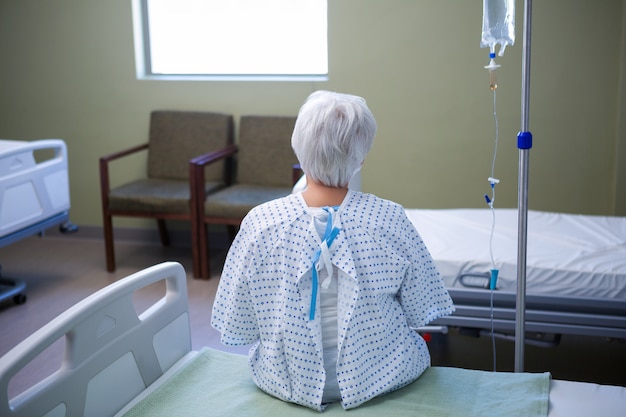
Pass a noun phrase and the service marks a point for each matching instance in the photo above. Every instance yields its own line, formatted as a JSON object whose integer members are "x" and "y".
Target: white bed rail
{"x": 34, "y": 182}
{"x": 112, "y": 353}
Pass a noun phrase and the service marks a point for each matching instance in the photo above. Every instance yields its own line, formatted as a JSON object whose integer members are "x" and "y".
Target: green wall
{"x": 67, "y": 71}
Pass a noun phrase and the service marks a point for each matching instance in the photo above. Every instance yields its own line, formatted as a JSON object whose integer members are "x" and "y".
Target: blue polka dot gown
{"x": 387, "y": 285}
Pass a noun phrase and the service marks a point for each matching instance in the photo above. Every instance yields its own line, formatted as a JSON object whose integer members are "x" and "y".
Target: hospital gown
{"x": 387, "y": 284}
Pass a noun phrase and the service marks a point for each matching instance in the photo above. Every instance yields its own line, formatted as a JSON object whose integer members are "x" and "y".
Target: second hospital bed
{"x": 575, "y": 269}
{"x": 125, "y": 359}
{"x": 34, "y": 195}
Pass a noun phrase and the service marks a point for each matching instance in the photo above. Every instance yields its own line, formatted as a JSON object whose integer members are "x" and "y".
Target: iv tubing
{"x": 493, "y": 181}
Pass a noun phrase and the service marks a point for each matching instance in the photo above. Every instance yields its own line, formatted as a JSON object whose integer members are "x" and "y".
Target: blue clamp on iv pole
{"x": 524, "y": 140}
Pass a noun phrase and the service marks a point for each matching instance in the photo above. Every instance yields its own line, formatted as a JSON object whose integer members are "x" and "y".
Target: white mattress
{"x": 571, "y": 399}
{"x": 568, "y": 255}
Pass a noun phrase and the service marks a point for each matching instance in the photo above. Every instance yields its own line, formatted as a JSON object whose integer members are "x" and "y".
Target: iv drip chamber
{"x": 493, "y": 80}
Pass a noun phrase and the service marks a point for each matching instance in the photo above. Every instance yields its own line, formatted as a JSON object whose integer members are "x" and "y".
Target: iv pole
{"x": 524, "y": 143}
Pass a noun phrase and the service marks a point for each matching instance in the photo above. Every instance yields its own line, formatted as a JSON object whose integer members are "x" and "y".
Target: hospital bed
{"x": 123, "y": 358}
{"x": 575, "y": 270}
{"x": 34, "y": 196}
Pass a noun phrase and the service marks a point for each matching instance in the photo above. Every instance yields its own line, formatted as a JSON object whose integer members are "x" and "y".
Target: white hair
{"x": 332, "y": 136}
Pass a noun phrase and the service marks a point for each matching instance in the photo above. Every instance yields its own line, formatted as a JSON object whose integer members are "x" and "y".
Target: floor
{"x": 60, "y": 270}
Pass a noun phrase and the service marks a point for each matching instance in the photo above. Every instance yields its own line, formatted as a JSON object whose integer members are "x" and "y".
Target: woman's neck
{"x": 319, "y": 195}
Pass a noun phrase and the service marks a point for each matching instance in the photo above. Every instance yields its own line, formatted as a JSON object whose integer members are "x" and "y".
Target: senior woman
{"x": 328, "y": 283}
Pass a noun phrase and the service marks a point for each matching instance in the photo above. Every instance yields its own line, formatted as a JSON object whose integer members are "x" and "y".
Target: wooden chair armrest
{"x": 119, "y": 154}
{"x": 196, "y": 174}
{"x": 104, "y": 167}
{"x": 200, "y": 161}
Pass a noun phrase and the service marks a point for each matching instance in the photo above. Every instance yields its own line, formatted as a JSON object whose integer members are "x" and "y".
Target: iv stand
{"x": 524, "y": 143}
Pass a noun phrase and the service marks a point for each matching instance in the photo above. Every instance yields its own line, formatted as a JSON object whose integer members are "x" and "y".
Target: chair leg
{"x": 195, "y": 248}
{"x": 232, "y": 232}
{"x": 194, "y": 252}
{"x": 203, "y": 240}
{"x": 165, "y": 237}
{"x": 109, "y": 250}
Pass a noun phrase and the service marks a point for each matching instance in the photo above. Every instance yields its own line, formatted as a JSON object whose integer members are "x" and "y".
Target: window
{"x": 188, "y": 39}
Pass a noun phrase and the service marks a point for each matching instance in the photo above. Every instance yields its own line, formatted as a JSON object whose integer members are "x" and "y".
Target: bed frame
{"x": 576, "y": 272}
{"x": 547, "y": 317}
{"x": 106, "y": 340}
{"x": 34, "y": 196}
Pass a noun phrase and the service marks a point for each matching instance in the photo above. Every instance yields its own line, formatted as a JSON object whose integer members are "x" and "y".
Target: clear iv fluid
{"x": 498, "y": 28}
{"x": 493, "y": 80}
{"x": 498, "y": 24}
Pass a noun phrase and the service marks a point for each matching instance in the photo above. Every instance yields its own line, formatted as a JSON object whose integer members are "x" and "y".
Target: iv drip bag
{"x": 498, "y": 24}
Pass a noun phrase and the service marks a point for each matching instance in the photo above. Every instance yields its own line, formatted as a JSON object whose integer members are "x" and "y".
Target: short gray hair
{"x": 332, "y": 136}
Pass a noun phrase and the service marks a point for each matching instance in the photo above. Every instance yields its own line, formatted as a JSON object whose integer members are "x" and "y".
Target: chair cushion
{"x": 178, "y": 136}
{"x": 265, "y": 155}
{"x": 236, "y": 201}
{"x": 155, "y": 196}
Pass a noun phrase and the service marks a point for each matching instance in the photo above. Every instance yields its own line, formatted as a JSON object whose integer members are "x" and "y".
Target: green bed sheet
{"x": 217, "y": 383}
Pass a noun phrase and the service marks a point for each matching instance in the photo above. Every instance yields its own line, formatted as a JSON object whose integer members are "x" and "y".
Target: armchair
{"x": 175, "y": 137}
{"x": 263, "y": 162}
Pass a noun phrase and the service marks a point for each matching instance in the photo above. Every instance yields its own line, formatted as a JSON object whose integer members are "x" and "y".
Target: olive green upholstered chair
{"x": 262, "y": 161}
{"x": 175, "y": 137}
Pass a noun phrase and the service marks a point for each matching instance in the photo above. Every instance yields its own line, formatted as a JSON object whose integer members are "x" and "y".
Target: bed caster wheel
{"x": 19, "y": 298}
{"x": 68, "y": 227}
